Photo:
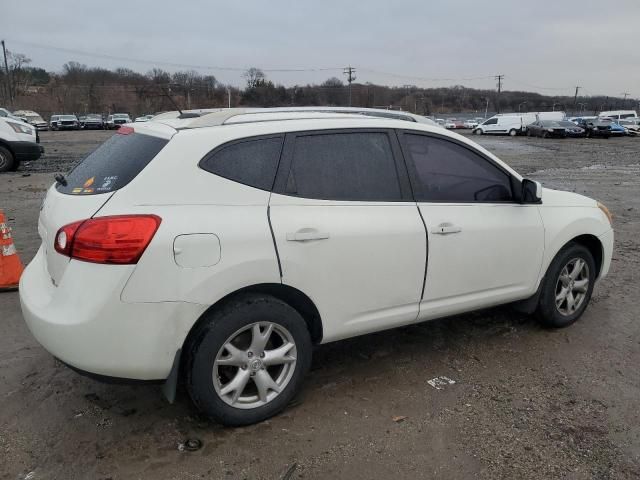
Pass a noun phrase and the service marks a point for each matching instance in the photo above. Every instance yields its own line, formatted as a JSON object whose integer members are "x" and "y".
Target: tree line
{"x": 81, "y": 89}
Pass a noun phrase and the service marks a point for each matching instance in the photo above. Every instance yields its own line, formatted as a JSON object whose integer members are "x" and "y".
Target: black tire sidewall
{"x": 223, "y": 323}
{"x": 548, "y": 314}
{"x": 10, "y": 161}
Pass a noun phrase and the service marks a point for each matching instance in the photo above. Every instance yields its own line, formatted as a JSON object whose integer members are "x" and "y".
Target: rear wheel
{"x": 7, "y": 161}
{"x": 568, "y": 286}
{"x": 248, "y": 361}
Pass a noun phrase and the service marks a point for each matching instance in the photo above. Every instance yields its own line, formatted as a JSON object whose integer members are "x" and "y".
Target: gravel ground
{"x": 527, "y": 402}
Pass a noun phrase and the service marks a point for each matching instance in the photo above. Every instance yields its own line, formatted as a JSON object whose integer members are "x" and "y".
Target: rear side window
{"x": 250, "y": 162}
{"x": 448, "y": 172}
{"x": 113, "y": 164}
{"x": 344, "y": 166}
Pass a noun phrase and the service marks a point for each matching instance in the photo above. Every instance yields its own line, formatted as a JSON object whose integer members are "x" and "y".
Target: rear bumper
{"x": 26, "y": 150}
{"x": 84, "y": 323}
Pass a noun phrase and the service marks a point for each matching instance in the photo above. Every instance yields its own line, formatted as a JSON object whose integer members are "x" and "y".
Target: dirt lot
{"x": 527, "y": 402}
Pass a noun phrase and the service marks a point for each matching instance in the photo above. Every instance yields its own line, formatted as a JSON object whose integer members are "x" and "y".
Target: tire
{"x": 211, "y": 367}
{"x": 477, "y": 131}
{"x": 545, "y": 134}
{"x": 7, "y": 160}
{"x": 556, "y": 312}
{"x": 528, "y": 133}
{"x": 513, "y": 132}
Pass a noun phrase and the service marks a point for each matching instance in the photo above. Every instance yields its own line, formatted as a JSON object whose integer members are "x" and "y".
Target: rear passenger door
{"x": 347, "y": 230}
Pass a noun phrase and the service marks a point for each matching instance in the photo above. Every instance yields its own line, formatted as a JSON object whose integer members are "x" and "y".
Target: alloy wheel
{"x": 254, "y": 365}
{"x": 572, "y": 286}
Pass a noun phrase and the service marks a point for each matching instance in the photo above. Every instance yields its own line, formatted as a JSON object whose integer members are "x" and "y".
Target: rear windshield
{"x": 113, "y": 164}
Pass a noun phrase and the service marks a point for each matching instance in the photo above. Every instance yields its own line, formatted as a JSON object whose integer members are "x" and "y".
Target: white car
{"x": 470, "y": 124}
{"x": 226, "y": 245}
{"x": 18, "y": 142}
{"x": 143, "y": 118}
{"x": 450, "y": 124}
{"x": 32, "y": 118}
{"x": 116, "y": 120}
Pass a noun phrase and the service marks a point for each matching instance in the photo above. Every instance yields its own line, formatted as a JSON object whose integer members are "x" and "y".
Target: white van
{"x": 619, "y": 114}
{"x": 510, "y": 124}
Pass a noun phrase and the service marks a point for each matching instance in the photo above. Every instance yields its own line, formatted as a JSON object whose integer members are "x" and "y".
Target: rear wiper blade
{"x": 60, "y": 179}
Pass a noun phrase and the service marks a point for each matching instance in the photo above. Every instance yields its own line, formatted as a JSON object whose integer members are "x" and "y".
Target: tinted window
{"x": 252, "y": 162}
{"x": 344, "y": 166}
{"x": 448, "y": 172}
{"x": 491, "y": 121}
{"x": 113, "y": 164}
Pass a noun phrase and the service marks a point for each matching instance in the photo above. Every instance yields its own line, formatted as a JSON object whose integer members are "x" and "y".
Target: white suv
{"x": 223, "y": 247}
{"x": 18, "y": 142}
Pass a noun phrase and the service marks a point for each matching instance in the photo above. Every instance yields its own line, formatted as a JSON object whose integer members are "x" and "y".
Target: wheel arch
{"x": 290, "y": 295}
{"x": 595, "y": 247}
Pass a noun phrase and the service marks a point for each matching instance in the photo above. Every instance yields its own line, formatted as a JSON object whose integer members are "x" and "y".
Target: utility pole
{"x": 407, "y": 89}
{"x": 229, "y": 96}
{"x": 351, "y": 76}
{"x": 6, "y": 69}
{"x": 575, "y": 99}
{"x": 624, "y": 100}
{"x": 499, "y": 78}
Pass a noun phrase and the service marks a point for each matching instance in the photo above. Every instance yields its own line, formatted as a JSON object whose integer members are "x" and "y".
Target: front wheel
{"x": 478, "y": 131}
{"x": 248, "y": 361}
{"x": 567, "y": 286}
{"x": 513, "y": 132}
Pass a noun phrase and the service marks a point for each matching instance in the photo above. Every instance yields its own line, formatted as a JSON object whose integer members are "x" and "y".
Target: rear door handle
{"x": 445, "y": 229}
{"x": 306, "y": 234}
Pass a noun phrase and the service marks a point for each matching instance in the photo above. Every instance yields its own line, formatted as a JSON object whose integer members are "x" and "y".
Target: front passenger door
{"x": 484, "y": 247}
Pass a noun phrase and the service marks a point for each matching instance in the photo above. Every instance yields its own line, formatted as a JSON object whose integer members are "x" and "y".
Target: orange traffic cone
{"x": 10, "y": 265}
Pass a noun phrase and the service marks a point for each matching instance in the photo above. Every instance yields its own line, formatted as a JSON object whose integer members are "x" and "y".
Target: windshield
{"x": 566, "y": 123}
{"x": 67, "y": 117}
{"x": 120, "y": 115}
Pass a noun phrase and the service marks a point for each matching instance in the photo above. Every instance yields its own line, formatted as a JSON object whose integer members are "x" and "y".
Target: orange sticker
{"x": 88, "y": 190}
{"x": 89, "y": 182}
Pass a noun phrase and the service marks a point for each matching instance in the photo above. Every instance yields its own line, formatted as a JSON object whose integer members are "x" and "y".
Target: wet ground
{"x": 526, "y": 402}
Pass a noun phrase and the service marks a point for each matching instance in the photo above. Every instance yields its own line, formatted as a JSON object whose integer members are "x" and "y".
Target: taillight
{"x": 117, "y": 239}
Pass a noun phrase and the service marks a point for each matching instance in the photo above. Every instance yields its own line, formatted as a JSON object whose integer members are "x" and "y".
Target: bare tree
{"x": 255, "y": 77}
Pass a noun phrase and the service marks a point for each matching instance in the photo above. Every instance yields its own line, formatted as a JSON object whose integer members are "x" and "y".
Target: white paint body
{"x": 366, "y": 274}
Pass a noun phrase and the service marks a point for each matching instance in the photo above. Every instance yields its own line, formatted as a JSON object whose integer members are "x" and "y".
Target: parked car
{"x": 571, "y": 129}
{"x": 631, "y": 126}
{"x": 615, "y": 129}
{"x": 143, "y": 118}
{"x": 470, "y": 124}
{"x": 170, "y": 281}
{"x": 32, "y": 118}
{"x": 594, "y": 127}
{"x": 451, "y": 124}
{"x": 502, "y": 124}
{"x": 64, "y": 122}
{"x": 18, "y": 142}
{"x": 114, "y": 121}
{"x": 92, "y": 121}
{"x": 546, "y": 129}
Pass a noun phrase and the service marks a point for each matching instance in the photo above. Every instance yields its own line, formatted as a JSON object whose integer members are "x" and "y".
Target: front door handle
{"x": 306, "y": 234}
{"x": 445, "y": 229}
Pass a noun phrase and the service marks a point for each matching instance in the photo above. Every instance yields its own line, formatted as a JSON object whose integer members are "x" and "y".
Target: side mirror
{"x": 531, "y": 191}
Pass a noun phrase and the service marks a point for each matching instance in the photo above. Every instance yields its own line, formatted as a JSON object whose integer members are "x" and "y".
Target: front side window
{"x": 448, "y": 172}
{"x": 356, "y": 166}
{"x": 491, "y": 121}
{"x": 250, "y": 162}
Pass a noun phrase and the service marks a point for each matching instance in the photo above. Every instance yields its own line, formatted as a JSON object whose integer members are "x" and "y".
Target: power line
{"x": 499, "y": 78}
{"x": 171, "y": 64}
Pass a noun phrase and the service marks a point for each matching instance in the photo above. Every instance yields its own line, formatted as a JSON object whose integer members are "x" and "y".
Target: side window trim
{"x": 413, "y": 174}
{"x": 286, "y": 159}
{"x": 238, "y": 141}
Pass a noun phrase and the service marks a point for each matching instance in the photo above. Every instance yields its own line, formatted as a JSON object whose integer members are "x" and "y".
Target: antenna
{"x": 167, "y": 93}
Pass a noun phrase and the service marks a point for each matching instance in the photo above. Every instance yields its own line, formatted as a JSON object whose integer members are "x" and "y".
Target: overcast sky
{"x": 549, "y": 46}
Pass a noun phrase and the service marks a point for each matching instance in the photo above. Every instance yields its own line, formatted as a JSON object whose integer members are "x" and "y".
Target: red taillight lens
{"x": 118, "y": 239}
{"x": 125, "y": 130}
